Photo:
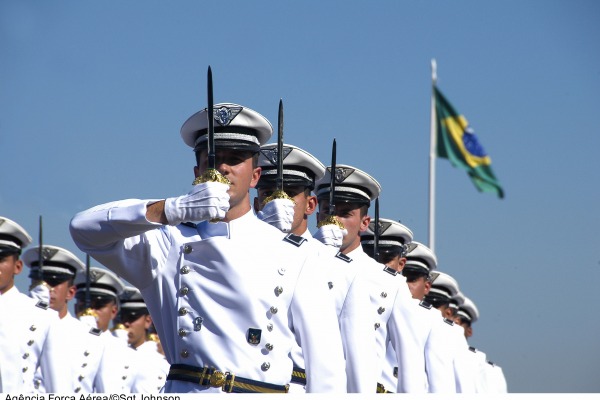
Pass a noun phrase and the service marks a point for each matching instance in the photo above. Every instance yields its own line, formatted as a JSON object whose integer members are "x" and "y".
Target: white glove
{"x": 278, "y": 213}
{"x": 206, "y": 201}
{"x": 40, "y": 292}
{"x": 331, "y": 235}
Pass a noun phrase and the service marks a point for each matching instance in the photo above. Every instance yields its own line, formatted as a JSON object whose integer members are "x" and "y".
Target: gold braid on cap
{"x": 331, "y": 220}
{"x": 278, "y": 194}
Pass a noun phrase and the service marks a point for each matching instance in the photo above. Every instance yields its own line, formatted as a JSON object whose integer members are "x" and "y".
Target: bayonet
{"x": 211, "y": 174}
{"x": 280, "y": 146}
{"x": 36, "y": 272}
{"x": 332, "y": 219}
{"x": 376, "y": 232}
{"x": 88, "y": 299}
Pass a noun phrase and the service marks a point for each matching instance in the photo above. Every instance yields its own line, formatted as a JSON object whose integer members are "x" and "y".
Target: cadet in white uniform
{"x": 228, "y": 298}
{"x": 491, "y": 378}
{"x": 393, "y": 311}
{"x": 397, "y": 250}
{"x": 120, "y": 363}
{"x": 443, "y": 289}
{"x": 352, "y": 301}
{"x": 136, "y": 319}
{"x": 28, "y": 328}
{"x": 82, "y": 348}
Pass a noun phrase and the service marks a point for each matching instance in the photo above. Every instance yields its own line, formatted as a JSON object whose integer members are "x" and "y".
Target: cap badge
{"x": 271, "y": 154}
{"x": 127, "y": 294}
{"x": 95, "y": 275}
{"x": 383, "y": 226}
{"x": 2, "y": 221}
{"x": 48, "y": 253}
{"x": 224, "y": 115}
{"x": 342, "y": 173}
{"x": 433, "y": 276}
{"x": 410, "y": 247}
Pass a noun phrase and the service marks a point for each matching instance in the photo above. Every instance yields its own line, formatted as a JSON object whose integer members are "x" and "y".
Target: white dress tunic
{"x": 233, "y": 296}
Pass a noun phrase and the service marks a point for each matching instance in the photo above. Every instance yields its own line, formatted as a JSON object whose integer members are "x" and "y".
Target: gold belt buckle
{"x": 217, "y": 379}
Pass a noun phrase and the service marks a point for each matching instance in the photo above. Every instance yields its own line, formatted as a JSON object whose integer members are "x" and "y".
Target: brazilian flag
{"x": 457, "y": 142}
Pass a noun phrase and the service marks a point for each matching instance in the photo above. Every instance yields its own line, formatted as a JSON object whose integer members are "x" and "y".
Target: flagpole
{"x": 432, "y": 156}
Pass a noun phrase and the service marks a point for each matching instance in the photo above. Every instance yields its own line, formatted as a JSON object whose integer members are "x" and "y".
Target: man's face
{"x": 236, "y": 166}
{"x": 466, "y": 325}
{"x": 349, "y": 215}
{"x": 105, "y": 309}
{"x": 10, "y": 265}
{"x": 305, "y": 205}
{"x": 418, "y": 285}
{"x": 60, "y": 294}
{"x": 136, "y": 329}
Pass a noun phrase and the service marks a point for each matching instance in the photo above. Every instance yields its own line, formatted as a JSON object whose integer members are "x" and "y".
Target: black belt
{"x": 381, "y": 388}
{"x": 299, "y": 376}
{"x": 228, "y": 382}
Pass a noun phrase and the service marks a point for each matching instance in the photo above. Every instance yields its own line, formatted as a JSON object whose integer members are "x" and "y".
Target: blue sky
{"x": 93, "y": 94}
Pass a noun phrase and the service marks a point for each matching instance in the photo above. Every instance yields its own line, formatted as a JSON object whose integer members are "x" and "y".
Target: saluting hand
{"x": 206, "y": 201}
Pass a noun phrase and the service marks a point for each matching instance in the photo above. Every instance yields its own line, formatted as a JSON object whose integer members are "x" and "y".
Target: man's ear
{"x": 255, "y": 176}
{"x": 311, "y": 205}
{"x": 364, "y": 224}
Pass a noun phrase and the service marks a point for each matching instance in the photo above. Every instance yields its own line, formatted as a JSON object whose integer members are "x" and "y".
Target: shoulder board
{"x": 294, "y": 239}
{"x": 449, "y": 321}
{"x": 390, "y": 271}
{"x": 473, "y": 349}
{"x": 343, "y": 257}
{"x": 42, "y": 304}
{"x": 491, "y": 363}
{"x": 189, "y": 224}
{"x": 95, "y": 331}
{"x": 425, "y": 304}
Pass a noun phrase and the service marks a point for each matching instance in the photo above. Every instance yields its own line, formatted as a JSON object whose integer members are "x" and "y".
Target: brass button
{"x": 25, "y": 356}
{"x": 84, "y": 365}
{"x": 77, "y": 389}
{"x": 381, "y": 310}
{"x": 124, "y": 377}
{"x": 265, "y": 366}
{"x": 80, "y": 378}
{"x": 86, "y": 353}
{"x": 377, "y": 325}
{"x": 330, "y": 284}
{"x": 24, "y": 369}
{"x": 183, "y": 311}
{"x": 30, "y": 343}
{"x": 383, "y": 294}
{"x": 269, "y": 346}
{"x": 274, "y": 310}
{"x": 184, "y": 353}
{"x": 278, "y": 290}
{"x": 184, "y": 290}
{"x": 182, "y": 332}
{"x": 127, "y": 367}
{"x": 281, "y": 271}
{"x": 32, "y": 328}
{"x": 270, "y": 327}
{"x": 185, "y": 269}
{"x": 187, "y": 249}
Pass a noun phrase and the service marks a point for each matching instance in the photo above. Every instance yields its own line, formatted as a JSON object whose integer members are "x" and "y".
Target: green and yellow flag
{"x": 457, "y": 142}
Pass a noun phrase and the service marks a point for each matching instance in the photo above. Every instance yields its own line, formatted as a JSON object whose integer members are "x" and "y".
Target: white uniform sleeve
{"x": 119, "y": 236}
{"x": 438, "y": 359}
{"x": 358, "y": 337}
{"x": 315, "y": 325}
{"x": 409, "y": 346}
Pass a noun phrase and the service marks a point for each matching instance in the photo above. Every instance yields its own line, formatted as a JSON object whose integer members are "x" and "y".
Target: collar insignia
{"x": 224, "y": 115}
